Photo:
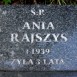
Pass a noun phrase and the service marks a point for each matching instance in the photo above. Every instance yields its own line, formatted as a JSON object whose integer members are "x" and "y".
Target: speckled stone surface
{"x": 38, "y": 74}
{"x": 62, "y": 55}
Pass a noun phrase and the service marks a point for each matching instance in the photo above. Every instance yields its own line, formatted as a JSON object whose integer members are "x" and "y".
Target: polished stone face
{"x": 38, "y": 38}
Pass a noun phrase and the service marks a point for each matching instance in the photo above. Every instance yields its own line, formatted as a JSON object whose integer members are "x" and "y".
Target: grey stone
{"x": 38, "y": 74}
{"x": 17, "y": 55}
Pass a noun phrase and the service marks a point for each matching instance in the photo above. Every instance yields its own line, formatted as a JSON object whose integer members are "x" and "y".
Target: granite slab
{"x": 38, "y": 38}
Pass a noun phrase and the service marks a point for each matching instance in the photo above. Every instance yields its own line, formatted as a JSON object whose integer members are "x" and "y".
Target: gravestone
{"x": 38, "y": 38}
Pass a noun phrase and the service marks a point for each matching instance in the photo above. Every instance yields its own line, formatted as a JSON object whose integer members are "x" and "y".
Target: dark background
{"x": 60, "y": 2}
